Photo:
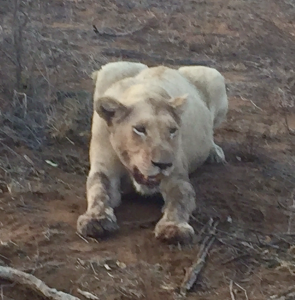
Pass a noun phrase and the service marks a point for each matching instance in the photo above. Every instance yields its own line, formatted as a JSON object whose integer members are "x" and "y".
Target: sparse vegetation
{"x": 48, "y": 49}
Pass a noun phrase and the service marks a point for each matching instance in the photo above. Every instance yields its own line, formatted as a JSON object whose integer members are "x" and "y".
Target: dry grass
{"x": 70, "y": 116}
{"x": 33, "y": 108}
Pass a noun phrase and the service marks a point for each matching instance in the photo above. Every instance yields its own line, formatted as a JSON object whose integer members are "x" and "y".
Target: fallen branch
{"x": 193, "y": 272}
{"x": 106, "y": 31}
{"x": 113, "y": 33}
{"x": 33, "y": 283}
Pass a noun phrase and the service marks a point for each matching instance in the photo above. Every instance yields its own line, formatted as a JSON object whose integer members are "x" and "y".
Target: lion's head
{"x": 145, "y": 134}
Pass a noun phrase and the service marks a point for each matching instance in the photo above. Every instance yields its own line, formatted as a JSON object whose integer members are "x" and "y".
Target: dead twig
{"x": 82, "y": 238}
{"x": 241, "y": 288}
{"x": 6, "y": 258}
{"x": 193, "y": 272}
{"x": 33, "y": 283}
{"x": 8, "y": 56}
{"x": 87, "y": 295}
{"x": 113, "y": 33}
{"x": 204, "y": 229}
{"x": 289, "y": 209}
{"x": 290, "y": 130}
{"x": 106, "y": 31}
{"x": 232, "y": 295}
{"x": 256, "y": 106}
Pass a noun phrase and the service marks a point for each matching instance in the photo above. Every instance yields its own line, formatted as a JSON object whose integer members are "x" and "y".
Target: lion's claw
{"x": 90, "y": 225}
{"x": 174, "y": 232}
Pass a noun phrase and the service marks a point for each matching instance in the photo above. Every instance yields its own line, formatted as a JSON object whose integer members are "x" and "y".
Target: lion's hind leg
{"x": 211, "y": 86}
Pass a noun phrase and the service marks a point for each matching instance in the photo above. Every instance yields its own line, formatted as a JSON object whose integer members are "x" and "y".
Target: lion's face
{"x": 145, "y": 136}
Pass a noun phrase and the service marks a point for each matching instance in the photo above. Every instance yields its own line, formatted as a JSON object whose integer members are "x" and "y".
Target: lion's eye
{"x": 172, "y": 130}
{"x": 140, "y": 130}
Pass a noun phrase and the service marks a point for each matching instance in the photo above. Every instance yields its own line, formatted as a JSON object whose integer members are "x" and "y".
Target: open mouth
{"x": 150, "y": 181}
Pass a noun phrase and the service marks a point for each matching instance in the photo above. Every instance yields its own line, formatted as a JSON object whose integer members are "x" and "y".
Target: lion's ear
{"x": 108, "y": 107}
{"x": 178, "y": 103}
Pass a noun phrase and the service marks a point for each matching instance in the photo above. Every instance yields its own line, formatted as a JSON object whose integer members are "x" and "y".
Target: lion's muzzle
{"x": 149, "y": 181}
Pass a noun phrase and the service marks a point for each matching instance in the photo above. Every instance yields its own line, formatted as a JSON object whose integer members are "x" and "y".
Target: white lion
{"x": 152, "y": 127}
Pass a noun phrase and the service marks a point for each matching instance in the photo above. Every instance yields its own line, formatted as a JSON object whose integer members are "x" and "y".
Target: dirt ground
{"x": 252, "y": 43}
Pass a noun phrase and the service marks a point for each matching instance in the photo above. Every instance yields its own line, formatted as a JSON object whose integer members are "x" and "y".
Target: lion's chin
{"x": 149, "y": 181}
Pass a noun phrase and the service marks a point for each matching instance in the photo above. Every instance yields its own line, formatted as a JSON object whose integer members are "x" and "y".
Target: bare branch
{"x": 33, "y": 283}
{"x": 193, "y": 272}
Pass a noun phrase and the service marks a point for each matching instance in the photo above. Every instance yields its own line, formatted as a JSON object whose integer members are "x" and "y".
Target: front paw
{"x": 90, "y": 225}
{"x": 173, "y": 232}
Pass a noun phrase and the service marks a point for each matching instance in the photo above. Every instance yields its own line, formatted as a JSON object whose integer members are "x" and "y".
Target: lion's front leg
{"x": 102, "y": 196}
{"x": 179, "y": 197}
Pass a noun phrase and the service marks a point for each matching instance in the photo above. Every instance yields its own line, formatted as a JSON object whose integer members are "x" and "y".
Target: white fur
{"x": 205, "y": 109}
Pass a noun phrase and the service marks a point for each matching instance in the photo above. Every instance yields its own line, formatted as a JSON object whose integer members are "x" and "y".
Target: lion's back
{"x": 171, "y": 80}
{"x": 114, "y": 72}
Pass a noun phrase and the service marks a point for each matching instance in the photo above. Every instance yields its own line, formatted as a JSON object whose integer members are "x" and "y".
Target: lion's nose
{"x": 162, "y": 166}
